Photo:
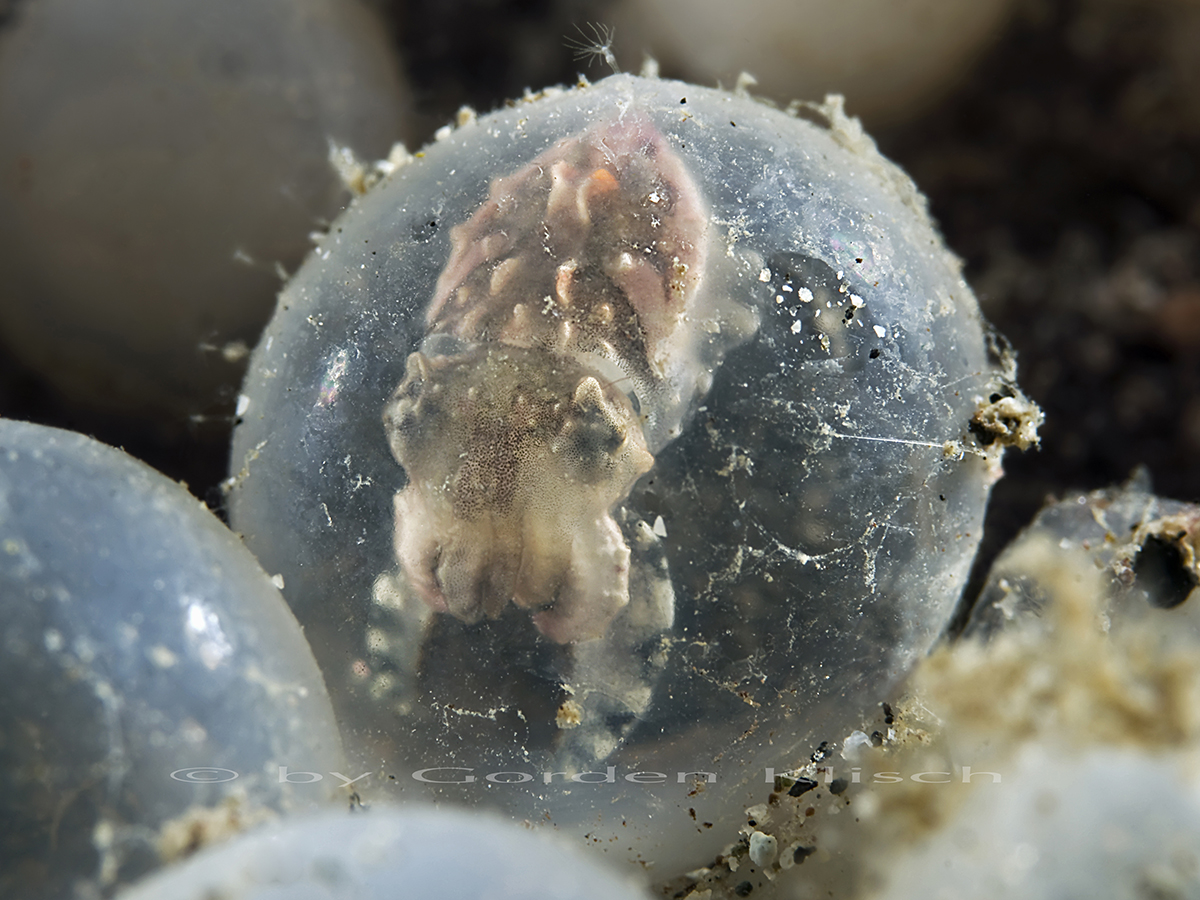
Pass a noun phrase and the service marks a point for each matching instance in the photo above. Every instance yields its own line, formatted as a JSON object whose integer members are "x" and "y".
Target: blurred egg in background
{"x": 163, "y": 165}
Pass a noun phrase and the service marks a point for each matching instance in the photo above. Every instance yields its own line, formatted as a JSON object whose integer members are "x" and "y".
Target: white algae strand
{"x": 626, "y": 442}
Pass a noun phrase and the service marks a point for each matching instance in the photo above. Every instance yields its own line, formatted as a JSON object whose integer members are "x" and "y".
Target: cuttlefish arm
{"x": 516, "y": 459}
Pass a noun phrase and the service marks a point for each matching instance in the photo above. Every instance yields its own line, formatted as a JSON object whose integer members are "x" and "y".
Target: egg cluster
{"x": 617, "y": 459}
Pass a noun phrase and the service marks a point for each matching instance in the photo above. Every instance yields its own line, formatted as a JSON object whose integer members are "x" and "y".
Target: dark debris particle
{"x": 802, "y": 853}
{"x": 802, "y": 786}
{"x": 838, "y": 786}
{"x": 214, "y": 497}
{"x": 876, "y": 738}
{"x": 425, "y": 230}
{"x": 888, "y": 716}
{"x": 874, "y": 354}
{"x": 984, "y": 435}
{"x": 822, "y": 752}
{"x": 743, "y": 889}
{"x": 1160, "y": 570}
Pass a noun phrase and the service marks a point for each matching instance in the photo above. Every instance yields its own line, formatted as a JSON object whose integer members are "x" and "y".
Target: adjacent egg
{"x": 385, "y": 853}
{"x": 1053, "y": 751}
{"x": 890, "y": 60}
{"x": 1102, "y": 823}
{"x": 631, "y": 440}
{"x": 1067, "y": 720}
{"x": 157, "y": 693}
{"x": 160, "y": 164}
{"x": 1148, "y": 548}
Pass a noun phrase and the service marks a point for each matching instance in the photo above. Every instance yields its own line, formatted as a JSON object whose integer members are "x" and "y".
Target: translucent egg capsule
{"x": 387, "y": 853}
{"x": 628, "y": 442}
{"x": 156, "y": 689}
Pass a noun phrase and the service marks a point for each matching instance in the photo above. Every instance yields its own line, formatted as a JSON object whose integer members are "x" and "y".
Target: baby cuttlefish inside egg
{"x": 570, "y": 285}
{"x": 633, "y": 519}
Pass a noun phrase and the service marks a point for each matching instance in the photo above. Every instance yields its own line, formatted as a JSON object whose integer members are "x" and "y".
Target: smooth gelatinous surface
{"x": 386, "y": 853}
{"x": 160, "y": 162}
{"x": 631, "y": 440}
{"x": 151, "y": 673}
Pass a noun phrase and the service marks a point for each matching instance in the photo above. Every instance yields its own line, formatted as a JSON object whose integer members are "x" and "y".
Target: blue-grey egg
{"x": 157, "y": 691}
{"x": 1146, "y": 547}
{"x": 385, "y": 853}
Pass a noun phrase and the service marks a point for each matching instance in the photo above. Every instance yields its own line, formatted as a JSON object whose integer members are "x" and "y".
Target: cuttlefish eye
{"x": 595, "y": 429}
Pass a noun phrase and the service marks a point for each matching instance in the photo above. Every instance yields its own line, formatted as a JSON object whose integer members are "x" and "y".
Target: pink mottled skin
{"x": 518, "y": 449}
{"x": 597, "y": 246}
